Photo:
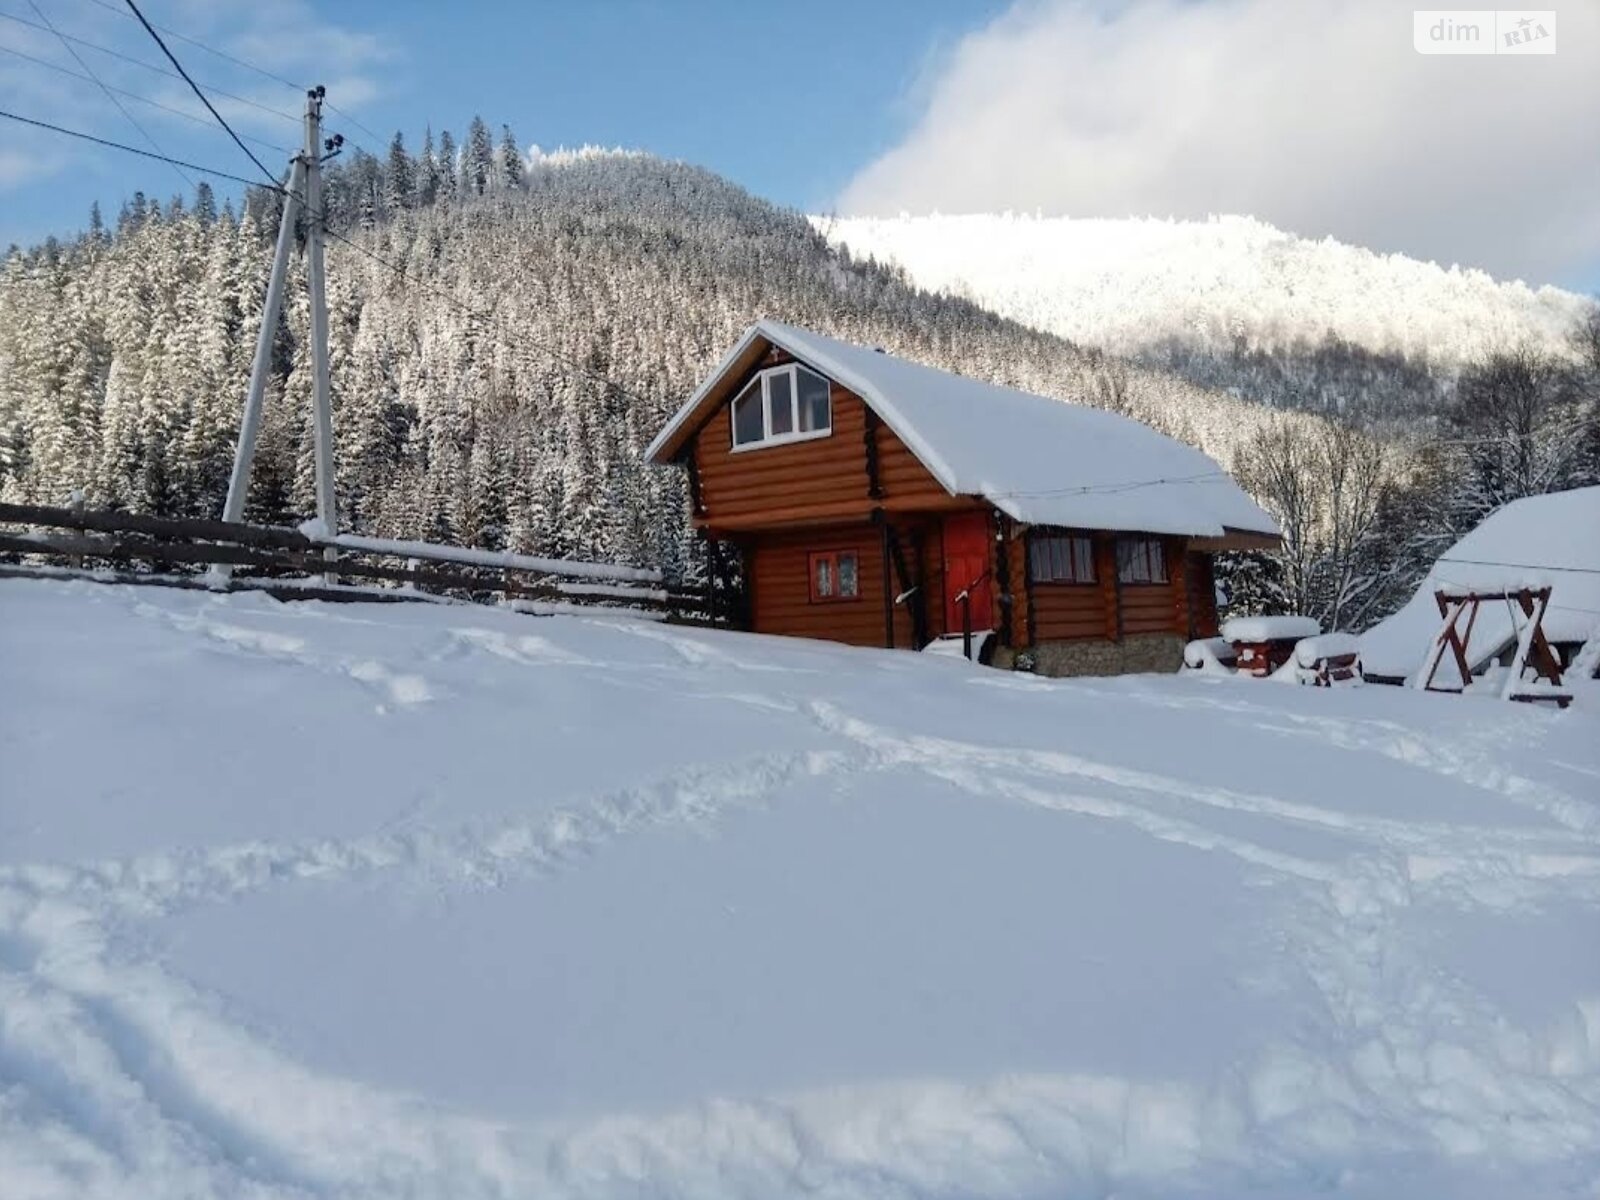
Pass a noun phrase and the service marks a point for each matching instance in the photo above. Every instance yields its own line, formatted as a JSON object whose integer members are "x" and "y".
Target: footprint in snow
{"x": 402, "y": 690}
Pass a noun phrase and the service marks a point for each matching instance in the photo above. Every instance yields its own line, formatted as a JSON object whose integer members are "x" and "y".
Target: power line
{"x": 1476, "y": 562}
{"x": 110, "y": 95}
{"x": 178, "y": 66}
{"x": 1548, "y": 431}
{"x": 376, "y": 137}
{"x": 1109, "y": 488}
{"x": 148, "y": 66}
{"x": 167, "y": 108}
{"x": 242, "y": 62}
{"x": 1455, "y": 583}
{"x": 99, "y": 141}
{"x": 222, "y": 54}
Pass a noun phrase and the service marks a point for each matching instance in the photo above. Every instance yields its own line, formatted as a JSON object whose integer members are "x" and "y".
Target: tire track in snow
{"x": 1404, "y": 1044}
{"x": 970, "y": 767}
{"x": 1493, "y": 856}
{"x": 91, "y": 1040}
{"x": 1464, "y": 759}
{"x": 470, "y": 854}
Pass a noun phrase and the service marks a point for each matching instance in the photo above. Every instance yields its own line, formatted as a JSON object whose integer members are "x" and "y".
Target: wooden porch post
{"x": 1002, "y": 576}
{"x": 884, "y": 534}
{"x": 1110, "y": 584}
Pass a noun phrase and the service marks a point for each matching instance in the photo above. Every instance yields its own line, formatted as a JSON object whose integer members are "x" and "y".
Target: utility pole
{"x": 321, "y": 398}
{"x": 304, "y": 195}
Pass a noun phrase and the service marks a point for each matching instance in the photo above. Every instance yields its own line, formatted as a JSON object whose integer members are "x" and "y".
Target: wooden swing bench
{"x": 1530, "y": 648}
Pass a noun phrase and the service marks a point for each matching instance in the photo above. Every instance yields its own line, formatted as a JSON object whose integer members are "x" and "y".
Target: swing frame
{"x": 1532, "y": 648}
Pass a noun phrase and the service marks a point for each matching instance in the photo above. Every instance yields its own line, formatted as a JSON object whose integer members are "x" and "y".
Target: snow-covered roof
{"x": 1549, "y": 540}
{"x": 1042, "y": 461}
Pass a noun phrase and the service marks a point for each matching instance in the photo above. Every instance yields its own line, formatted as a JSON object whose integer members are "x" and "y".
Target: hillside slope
{"x": 1131, "y": 285}
{"x": 498, "y": 389}
{"x": 422, "y": 901}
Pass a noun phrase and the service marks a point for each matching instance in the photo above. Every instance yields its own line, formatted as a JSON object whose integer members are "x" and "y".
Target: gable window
{"x": 1060, "y": 558}
{"x": 782, "y": 404}
{"x": 835, "y": 575}
{"x": 1141, "y": 560}
{"x": 747, "y": 419}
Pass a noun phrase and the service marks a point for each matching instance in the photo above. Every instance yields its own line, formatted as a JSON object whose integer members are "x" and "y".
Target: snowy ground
{"x": 422, "y": 901}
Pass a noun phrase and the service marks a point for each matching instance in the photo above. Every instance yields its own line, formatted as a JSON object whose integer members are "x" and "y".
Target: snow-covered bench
{"x": 1264, "y": 644}
{"x": 1290, "y": 649}
{"x": 1212, "y": 655}
{"x": 1327, "y": 659}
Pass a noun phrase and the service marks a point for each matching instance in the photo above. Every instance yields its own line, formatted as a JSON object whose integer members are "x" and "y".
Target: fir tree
{"x": 512, "y": 171}
{"x": 205, "y": 203}
{"x": 477, "y": 167}
{"x": 448, "y": 167}
{"x": 399, "y": 183}
{"x": 427, "y": 172}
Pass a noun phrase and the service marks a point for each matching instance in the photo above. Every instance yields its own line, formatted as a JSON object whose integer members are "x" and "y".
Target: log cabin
{"x": 872, "y": 500}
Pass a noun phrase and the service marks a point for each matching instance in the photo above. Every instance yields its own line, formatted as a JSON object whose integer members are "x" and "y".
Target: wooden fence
{"x": 120, "y": 547}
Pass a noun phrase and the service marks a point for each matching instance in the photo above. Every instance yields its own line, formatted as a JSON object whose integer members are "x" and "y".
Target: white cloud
{"x": 17, "y": 168}
{"x": 1319, "y": 117}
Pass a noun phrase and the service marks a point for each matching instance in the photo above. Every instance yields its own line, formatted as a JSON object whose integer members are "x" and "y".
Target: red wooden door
{"x": 968, "y": 561}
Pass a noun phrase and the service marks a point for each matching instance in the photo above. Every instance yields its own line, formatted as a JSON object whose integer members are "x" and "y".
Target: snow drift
{"x": 1539, "y": 541}
{"x": 307, "y": 900}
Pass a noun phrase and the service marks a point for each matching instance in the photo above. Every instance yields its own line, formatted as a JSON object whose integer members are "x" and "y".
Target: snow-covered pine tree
{"x": 399, "y": 182}
{"x": 477, "y": 166}
{"x": 449, "y": 168}
{"x": 513, "y": 173}
{"x": 427, "y": 172}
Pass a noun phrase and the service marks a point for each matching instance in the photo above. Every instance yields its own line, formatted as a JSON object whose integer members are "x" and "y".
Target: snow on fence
{"x": 296, "y": 564}
{"x": 496, "y": 559}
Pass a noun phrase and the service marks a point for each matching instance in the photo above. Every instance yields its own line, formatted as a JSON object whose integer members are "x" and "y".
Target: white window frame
{"x": 796, "y": 434}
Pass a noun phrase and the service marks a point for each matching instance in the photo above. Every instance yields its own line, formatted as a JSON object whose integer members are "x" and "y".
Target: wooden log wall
{"x": 901, "y": 474}
{"x": 780, "y": 587}
{"x": 821, "y": 471}
{"x": 1016, "y": 551}
{"x": 827, "y": 477}
{"x": 1110, "y": 609}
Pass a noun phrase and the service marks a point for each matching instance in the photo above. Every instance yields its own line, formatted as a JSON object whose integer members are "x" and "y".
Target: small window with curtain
{"x": 1060, "y": 558}
{"x": 835, "y": 575}
{"x": 1141, "y": 560}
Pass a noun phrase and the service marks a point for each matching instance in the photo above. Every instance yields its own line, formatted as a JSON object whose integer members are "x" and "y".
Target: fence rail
{"x": 185, "y": 552}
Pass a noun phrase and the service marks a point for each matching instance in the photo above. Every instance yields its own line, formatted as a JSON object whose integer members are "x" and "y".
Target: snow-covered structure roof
{"x": 1549, "y": 540}
{"x": 1042, "y": 461}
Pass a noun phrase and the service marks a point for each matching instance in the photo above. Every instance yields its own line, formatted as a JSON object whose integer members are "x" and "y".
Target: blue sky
{"x": 1317, "y": 116}
{"x": 691, "y": 80}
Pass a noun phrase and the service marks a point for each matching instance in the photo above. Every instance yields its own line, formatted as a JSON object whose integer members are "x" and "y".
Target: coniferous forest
{"x": 507, "y": 337}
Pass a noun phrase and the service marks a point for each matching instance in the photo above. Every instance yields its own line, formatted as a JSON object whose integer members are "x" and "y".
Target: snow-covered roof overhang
{"x": 1042, "y": 461}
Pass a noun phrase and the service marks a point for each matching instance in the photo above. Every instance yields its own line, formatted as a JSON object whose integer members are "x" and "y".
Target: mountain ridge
{"x": 1130, "y": 285}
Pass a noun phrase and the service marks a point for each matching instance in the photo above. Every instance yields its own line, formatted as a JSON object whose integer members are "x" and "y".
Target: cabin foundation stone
{"x": 1135, "y": 653}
